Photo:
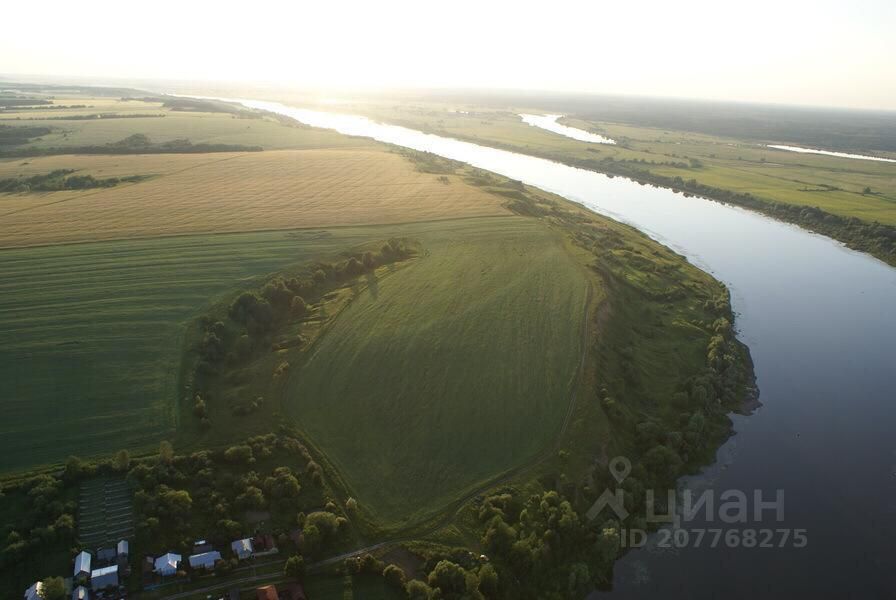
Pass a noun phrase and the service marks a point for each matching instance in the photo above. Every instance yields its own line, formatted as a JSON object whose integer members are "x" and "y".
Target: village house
{"x": 105, "y": 577}
{"x": 206, "y": 560}
{"x": 121, "y": 560}
{"x": 292, "y": 591}
{"x": 242, "y": 549}
{"x": 267, "y": 592}
{"x": 263, "y": 544}
{"x": 82, "y": 565}
{"x": 35, "y": 592}
{"x": 166, "y": 565}
{"x": 80, "y": 593}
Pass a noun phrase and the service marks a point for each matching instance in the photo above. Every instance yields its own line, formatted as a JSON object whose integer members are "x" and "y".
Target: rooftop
{"x": 104, "y": 571}
{"x": 206, "y": 559}
{"x": 82, "y": 563}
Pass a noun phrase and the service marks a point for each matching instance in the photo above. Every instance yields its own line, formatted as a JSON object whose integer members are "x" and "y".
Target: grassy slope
{"x": 647, "y": 336}
{"x": 453, "y": 370}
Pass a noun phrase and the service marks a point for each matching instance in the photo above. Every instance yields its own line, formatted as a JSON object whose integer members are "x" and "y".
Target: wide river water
{"x": 830, "y": 153}
{"x": 818, "y": 319}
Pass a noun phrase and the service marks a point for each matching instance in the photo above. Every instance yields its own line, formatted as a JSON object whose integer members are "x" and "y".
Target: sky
{"x": 819, "y": 52}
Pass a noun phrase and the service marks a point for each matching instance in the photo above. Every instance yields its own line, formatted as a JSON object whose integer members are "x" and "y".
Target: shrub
{"x": 394, "y": 576}
{"x": 295, "y": 567}
{"x": 238, "y": 454}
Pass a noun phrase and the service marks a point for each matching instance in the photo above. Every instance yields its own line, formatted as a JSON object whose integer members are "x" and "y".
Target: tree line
{"x": 135, "y": 144}
{"x": 246, "y": 328}
{"x": 62, "y": 179}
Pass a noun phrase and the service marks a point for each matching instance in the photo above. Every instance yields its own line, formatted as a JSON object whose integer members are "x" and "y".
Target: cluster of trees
{"x": 321, "y": 530}
{"x": 11, "y": 135}
{"x": 536, "y": 547}
{"x": 199, "y": 105}
{"x": 226, "y": 484}
{"x": 61, "y": 179}
{"x": 45, "y": 505}
{"x": 44, "y": 518}
{"x": 8, "y": 101}
{"x": 687, "y": 432}
{"x": 256, "y": 316}
{"x": 46, "y": 105}
{"x": 542, "y": 547}
{"x": 92, "y": 116}
{"x": 134, "y": 144}
{"x": 465, "y": 579}
{"x": 53, "y": 589}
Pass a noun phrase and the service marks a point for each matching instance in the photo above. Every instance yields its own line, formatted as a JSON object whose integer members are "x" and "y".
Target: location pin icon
{"x": 620, "y": 467}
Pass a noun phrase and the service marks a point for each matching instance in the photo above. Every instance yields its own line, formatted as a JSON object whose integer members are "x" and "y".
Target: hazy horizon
{"x": 821, "y": 54}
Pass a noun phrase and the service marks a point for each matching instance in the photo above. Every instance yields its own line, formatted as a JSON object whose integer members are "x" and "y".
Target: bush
{"x": 200, "y": 410}
{"x": 54, "y": 588}
{"x": 394, "y": 576}
{"x": 238, "y": 454}
{"x": 295, "y": 568}
{"x": 252, "y": 498}
{"x": 418, "y": 590}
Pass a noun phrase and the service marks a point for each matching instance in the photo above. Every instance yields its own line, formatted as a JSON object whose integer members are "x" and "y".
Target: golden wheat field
{"x": 102, "y": 165}
{"x": 235, "y": 192}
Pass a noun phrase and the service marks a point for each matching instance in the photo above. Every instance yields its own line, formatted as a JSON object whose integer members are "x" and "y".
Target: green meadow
{"x": 450, "y": 371}
{"x": 91, "y": 334}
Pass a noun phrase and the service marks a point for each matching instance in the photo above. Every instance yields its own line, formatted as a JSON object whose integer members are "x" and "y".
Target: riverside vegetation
{"x": 849, "y": 200}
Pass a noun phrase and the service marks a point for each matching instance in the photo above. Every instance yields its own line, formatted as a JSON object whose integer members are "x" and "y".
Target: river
{"x": 818, "y": 320}
{"x": 550, "y": 123}
{"x": 830, "y": 153}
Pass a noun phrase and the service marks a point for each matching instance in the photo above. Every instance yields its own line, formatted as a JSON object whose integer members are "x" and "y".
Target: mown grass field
{"x": 727, "y": 163}
{"x": 452, "y": 370}
{"x": 234, "y": 192}
{"x": 91, "y": 334}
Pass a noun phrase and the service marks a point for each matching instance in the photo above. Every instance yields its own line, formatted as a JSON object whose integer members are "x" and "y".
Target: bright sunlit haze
{"x": 810, "y": 53}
